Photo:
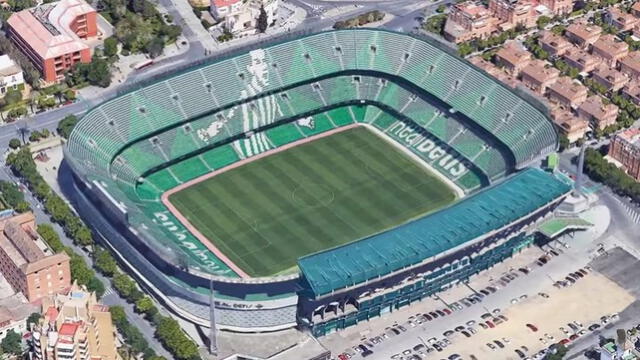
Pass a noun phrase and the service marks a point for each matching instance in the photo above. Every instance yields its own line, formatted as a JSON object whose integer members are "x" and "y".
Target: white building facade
{"x": 10, "y": 75}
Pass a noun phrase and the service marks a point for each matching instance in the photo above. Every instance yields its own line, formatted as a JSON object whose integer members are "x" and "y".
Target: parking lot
{"x": 401, "y": 335}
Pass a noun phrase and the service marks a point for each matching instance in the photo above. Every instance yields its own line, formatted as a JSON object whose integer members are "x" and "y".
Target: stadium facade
{"x": 462, "y": 123}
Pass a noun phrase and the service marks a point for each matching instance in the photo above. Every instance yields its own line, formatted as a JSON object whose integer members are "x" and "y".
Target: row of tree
{"x": 607, "y": 173}
{"x": 22, "y": 164}
{"x": 13, "y": 197}
{"x": 168, "y": 330}
{"x": 360, "y": 20}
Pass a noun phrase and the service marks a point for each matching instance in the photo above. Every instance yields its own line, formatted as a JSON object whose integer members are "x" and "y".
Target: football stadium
{"x": 314, "y": 182}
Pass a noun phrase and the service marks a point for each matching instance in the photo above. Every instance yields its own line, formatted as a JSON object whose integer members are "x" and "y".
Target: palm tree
{"x": 23, "y": 130}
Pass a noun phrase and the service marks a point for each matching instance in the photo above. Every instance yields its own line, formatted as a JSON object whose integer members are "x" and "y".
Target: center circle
{"x": 313, "y": 194}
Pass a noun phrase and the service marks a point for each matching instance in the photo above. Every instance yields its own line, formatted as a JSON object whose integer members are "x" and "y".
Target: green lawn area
{"x": 268, "y": 213}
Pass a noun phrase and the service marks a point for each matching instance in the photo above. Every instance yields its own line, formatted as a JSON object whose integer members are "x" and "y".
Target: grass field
{"x": 268, "y": 213}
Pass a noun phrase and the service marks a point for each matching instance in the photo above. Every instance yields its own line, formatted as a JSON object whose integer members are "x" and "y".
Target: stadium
{"x": 314, "y": 182}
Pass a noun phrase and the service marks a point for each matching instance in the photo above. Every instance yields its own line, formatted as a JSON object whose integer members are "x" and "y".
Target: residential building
{"x": 632, "y": 92}
{"x": 610, "y": 78}
{"x": 558, "y": 7}
{"x": 10, "y": 76}
{"x": 610, "y": 49}
{"x": 14, "y": 311}
{"x": 581, "y": 60}
{"x": 468, "y": 20}
{"x": 512, "y": 13}
{"x": 573, "y": 127}
{"x": 221, "y": 8}
{"x": 513, "y": 58}
{"x": 630, "y": 65}
{"x": 567, "y": 93}
{"x": 241, "y": 16}
{"x": 583, "y": 34}
{"x": 538, "y": 76}
{"x": 635, "y": 9}
{"x": 494, "y": 71}
{"x": 620, "y": 19}
{"x": 625, "y": 149}
{"x": 54, "y": 35}
{"x": 554, "y": 44}
{"x": 599, "y": 114}
{"x": 27, "y": 263}
{"x": 74, "y": 326}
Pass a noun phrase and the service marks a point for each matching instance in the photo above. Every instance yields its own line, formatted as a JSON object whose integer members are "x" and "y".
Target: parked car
{"x": 532, "y": 327}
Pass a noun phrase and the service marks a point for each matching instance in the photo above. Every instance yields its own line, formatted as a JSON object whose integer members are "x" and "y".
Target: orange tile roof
{"x": 46, "y": 28}
{"x": 68, "y": 329}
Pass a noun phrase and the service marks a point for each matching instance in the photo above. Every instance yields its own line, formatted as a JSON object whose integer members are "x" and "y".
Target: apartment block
{"x": 610, "y": 49}
{"x": 74, "y": 326}
{"x": 630, "y": 65}
{"x": 582, "y": 34}
{"x": 620, "y": 19}
{"x": 599, "y": 114}
{"x": 581, "y": 60}
{"x": 554, "y": 44}
{"x": 27, "y": 263}
{"x": 538, "y": 76}
{"x": 625, "y": 148}
{"x": 513, "y": 58}
{"x": 567, "y": 93}
{"x": 573, "y": 127}
{"x": 52, "y": 35}
{"x": 610, "y": 78}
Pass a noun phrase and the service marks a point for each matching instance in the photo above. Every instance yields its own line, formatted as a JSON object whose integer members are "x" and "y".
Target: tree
{"x": 82, "y": 236}
{"x": 110, "y": 46}
{"x": 154, "y": 47}
{"x": 50, "y": 236}
{"x": 441, "y": 8}
{"x": 11, "y": 193}
{"x": 12, "y": 343}
{"x": 79, "y": 269}
{"x": 99, "y": 74}
{"x": 69, "y": 95}
{"x": 465, "y": 49}
{"x": 13, "y": 97}
{"x": 14, "y": 143}
{"x": 95, "y": 285}
{"x": 564, "y": 142}
{"x": 171, "y": 335}
{"x": 144, "y": 305}
{"x": 263, "y": 21}
{"x": 124, "y": 285}
{"x": 33, "y": 319}
{"x": 66, "y": 125}
{"x": 543, "y": 21}
{"x": 105, "y": 262}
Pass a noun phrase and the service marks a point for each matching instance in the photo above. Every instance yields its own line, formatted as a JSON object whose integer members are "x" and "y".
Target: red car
{"x": 564, "y": 341}
{"x": 490, "y": 324}
{"x": 343, "y": 357}
{"x": 447, "y": 311}
{"x": 532, "y": 327}
{"x": 573, "y": 337}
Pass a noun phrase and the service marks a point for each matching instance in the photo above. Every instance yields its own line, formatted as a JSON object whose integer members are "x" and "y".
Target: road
{"x": 111, "y": 298}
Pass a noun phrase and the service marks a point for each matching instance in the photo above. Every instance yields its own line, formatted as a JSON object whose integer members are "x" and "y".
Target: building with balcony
{"x": 538, "y": 76}
{"x": 11, "y": 77}
{"x": 610, "y": 78}
{"x": 241, "y": 16}
{"x": 620, "y": 19}
{"x": 567, "y": 93}
{"x": 554, "y": 44}
{"x": 558, "y": 7}
{"x": 468, "y": 20}
{"x": 512, "y": 13}
{"x": 74, "y": 326}
{"x": 571, "y": 126}
{"x": 625, "y": 149}
{"x": 513, "y": 58}
{"x": 14, "y": 311}
{"x": 632, "y": 92}
{"x": 582, "y": 34}
{"x": 610, "y": 49}
{"x": 581, "y": 60}
{"x": 597, "y": 113}
{"x": 26, "y": 261}
{"x": 53, "y": 35}
{"x": 630, "y": 65}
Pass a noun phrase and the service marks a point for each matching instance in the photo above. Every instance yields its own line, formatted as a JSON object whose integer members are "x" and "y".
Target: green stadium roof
{"x": 384, "y": 253}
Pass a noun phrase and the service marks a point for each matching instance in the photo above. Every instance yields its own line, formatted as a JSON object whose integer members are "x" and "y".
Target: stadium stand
{"x": 463, "y": 123}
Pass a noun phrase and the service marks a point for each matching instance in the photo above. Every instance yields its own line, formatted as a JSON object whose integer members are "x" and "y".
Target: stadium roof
{"x": 409, "y": 244}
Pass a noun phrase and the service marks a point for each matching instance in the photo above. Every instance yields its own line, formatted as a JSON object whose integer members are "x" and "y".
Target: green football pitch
{"x": 268, "y": 213}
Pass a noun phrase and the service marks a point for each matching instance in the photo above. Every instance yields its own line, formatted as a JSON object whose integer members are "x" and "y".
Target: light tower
{"x": 213, "y": 340}
{"x": 577, "y": 187}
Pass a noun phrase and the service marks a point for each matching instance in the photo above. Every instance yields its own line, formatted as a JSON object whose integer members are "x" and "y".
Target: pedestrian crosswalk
{"x": 108, "y": 291}
{"x": 634, "y": 213}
